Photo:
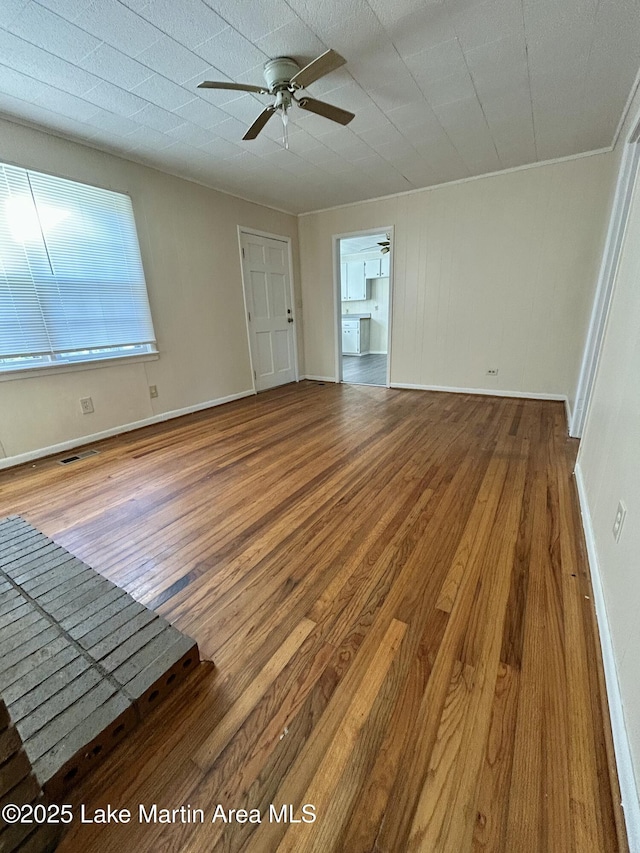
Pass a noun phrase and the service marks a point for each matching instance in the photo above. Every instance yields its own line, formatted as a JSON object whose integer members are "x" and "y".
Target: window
{"x": 72, "y": 287}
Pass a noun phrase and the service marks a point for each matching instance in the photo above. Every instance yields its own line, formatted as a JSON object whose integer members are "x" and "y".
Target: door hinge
{"x": 249, "y": 315}
{"x": 255, "y": 375}
{"x": 243, "y": 251}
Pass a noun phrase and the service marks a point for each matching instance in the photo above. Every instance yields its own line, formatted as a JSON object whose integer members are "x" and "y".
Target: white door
{"x": 267, "y": 286}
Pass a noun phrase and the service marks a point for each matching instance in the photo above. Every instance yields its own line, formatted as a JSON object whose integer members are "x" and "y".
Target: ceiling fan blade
{"x": 259, "y": 123}
{"x": 234, "y": 87}
{"x": 321, "y": 108}
{"x": 323, "y": 64}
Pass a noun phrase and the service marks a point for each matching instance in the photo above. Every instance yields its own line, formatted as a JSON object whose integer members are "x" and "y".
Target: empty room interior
{"x": 319, "y": 426}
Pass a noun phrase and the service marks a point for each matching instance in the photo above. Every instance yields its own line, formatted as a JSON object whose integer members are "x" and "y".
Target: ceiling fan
{"x": 284, "y": 78}
{"x": 385, "y": 245}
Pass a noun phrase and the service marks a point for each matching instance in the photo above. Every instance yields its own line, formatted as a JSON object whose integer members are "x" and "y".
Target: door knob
{"x": 289, "y": 319}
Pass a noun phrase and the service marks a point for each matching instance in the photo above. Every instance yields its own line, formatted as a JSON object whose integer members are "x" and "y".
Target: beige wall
{"x": 189, "y": 242}
{"x": 497, "y": 272}
{"x": 609, "y": 464}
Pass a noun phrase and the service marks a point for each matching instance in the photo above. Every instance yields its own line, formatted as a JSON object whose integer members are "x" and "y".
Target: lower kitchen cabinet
{"x": 355, "y": 336}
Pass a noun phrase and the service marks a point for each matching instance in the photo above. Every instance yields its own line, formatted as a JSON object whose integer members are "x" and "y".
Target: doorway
{"x": 364, "y": 272}
{"x": 268, "y": 296}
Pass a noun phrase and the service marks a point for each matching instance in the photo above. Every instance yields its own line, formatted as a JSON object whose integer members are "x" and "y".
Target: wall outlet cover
{"x": 621, "y": 513}
{"x": 86, "y": 404}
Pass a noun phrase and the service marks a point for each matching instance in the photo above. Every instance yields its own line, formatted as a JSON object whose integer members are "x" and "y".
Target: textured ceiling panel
{"x": 441, "y": 90}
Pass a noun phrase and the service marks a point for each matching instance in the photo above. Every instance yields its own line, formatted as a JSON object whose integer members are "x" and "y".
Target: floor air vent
{"x": 77, "y": 456}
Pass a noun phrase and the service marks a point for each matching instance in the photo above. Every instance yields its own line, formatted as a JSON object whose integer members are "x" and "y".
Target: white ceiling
{"x": 441, "y": 90}
{"x": 365, "y": 243}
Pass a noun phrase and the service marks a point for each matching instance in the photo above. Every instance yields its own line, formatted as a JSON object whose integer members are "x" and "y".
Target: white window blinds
{"x": 71, "y": 277}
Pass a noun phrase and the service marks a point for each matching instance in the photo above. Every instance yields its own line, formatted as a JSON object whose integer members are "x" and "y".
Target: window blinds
{"x": 71, "y": 275}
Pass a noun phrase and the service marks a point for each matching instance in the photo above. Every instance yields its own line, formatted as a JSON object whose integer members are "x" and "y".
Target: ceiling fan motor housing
{"x": 278, "y": 72}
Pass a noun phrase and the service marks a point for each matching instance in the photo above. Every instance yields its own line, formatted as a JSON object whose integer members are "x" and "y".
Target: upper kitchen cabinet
{"x": 353, "y": 281}
{"x": 377, "y": 267}
{"x": 372, "y": 268}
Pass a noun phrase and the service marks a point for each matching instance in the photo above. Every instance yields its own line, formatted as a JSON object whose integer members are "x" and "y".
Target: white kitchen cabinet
{"x": 372, "y": 268}
{"x": 350, "y": 339}
{"x": 377, "y": 267}
{"x": 343, "y": 282}
{"x": 353, "y": 282}
{"x": 355, "y": 336}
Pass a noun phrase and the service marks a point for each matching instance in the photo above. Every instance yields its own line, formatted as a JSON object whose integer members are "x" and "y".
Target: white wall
{"x": 609, "y": 468}
{"x": 497, "y": 272}
{"x": 189, "y": 243}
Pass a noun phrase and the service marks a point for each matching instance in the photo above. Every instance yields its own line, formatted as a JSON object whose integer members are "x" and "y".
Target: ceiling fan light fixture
{"x": 283, "y": 105}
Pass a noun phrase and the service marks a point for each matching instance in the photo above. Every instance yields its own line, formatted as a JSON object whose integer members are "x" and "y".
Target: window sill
{"x": 48, "y": 370}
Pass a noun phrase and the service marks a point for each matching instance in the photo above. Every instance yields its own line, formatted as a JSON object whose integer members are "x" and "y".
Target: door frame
{"x": 626, "y": 181}
{"x": 337, "y": 294}
{"x": 243, "y": 229}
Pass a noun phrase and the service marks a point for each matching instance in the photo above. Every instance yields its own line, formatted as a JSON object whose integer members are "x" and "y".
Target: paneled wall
{"x": 609, "y": 463}
{"x": 493, "y": 273}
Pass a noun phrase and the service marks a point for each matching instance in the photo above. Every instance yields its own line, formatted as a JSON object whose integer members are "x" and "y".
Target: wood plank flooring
{"x": 393, "y": 588}
{"x": 368, "y": 369}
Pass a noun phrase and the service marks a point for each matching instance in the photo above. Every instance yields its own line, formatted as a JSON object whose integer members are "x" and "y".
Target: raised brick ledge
{"x": 20, "y": 787}
{"x": 81, "y": 662}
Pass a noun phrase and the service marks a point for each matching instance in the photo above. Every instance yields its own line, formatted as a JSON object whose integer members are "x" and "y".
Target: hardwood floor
{"x": 393, "y": 588}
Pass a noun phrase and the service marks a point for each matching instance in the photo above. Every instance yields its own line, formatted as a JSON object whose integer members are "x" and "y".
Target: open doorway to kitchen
{"x": 364, "y": 272}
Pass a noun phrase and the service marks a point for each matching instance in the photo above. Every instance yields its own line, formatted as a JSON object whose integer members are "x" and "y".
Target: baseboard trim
{"x": 489, "y": 392}
{"x": 626, "y": 777}
{"x": 568, "y": 414}
{"x": 80, "y": 441}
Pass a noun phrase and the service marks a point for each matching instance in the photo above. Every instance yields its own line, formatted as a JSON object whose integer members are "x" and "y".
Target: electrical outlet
{"x": 153, "y": 390}
{"x": 86, "y": 404}
{"x": 619, "y": 521}
{"x": 492, "y": 371}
